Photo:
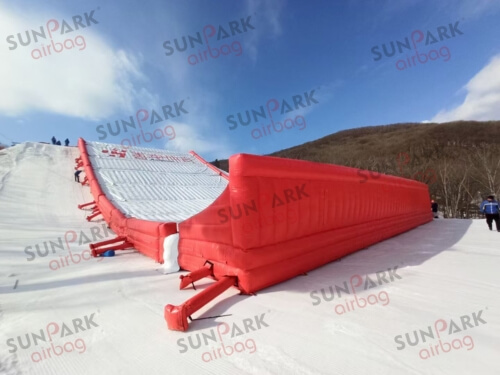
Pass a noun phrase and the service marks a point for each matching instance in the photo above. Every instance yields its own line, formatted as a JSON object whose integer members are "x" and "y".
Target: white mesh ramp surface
{"x": 152, "y": 184}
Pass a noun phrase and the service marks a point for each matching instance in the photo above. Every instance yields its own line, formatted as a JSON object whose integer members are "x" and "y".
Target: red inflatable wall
{"x": 145, "y": 236}
{"x": 279, "y": 218}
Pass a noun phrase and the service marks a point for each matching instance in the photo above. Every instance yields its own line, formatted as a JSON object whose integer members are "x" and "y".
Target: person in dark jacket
{"x": 66, "y": 142}
{"x": 54, "y": 140}
{"x": 490, "y": 208}
{"x": 77, "y": 176}
{"x": 434, "y": 208}
{"x": 58, "y": 143}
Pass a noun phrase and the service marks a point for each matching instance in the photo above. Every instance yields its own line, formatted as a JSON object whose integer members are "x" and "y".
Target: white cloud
{"x": 268, "y": 13}
{"x": 187, "y": 138}
{"x": 482, "y": 102}
{"x": 90, "y": 83}
{"x": 476, "y": 8}
{"x": 454, "y": 8}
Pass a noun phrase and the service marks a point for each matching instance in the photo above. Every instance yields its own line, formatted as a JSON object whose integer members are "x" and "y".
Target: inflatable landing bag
{"x": 279, "y": 218}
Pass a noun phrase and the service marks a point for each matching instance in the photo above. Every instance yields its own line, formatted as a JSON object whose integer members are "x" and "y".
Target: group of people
{"x": 489, "y": 207}
{"x": 58, "y": 143}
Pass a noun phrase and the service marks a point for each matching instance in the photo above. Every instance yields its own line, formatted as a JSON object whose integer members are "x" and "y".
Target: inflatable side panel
{"x": 215, "y": 169}
{"x": 146, "y": 236}
{"x": 280, "y": 218}
{"x": 207, "y": 235}
{"x": 112, "y": 215}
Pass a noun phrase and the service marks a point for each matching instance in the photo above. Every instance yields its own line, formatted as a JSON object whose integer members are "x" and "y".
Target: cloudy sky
{"x": 254, "y": 76}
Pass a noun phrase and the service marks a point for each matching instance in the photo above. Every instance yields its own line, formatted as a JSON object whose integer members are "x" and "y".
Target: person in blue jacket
{"x": 490, "y": 208}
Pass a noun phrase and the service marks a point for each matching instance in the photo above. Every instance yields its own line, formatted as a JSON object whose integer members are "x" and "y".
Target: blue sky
{"x": 118, "y": 65}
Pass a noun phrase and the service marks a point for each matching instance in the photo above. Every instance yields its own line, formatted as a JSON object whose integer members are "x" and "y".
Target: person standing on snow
{"x": 490, "y": 208}
{"x": 434, "y": 208}
{"x": 66, "y": 142}
{"x": 53, "y": 140}
{"x": 77, "y": 176}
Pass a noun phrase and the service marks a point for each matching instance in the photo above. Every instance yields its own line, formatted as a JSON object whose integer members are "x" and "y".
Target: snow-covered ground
{"x": 62, "y": 312}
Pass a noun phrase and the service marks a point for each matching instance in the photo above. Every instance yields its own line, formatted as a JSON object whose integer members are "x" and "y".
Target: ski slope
{"x": 105, "y": 316}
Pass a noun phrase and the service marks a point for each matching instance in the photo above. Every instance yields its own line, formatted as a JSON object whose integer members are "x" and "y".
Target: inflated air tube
{"x": 145, "y": 236}
{"x": 279, "y": 218}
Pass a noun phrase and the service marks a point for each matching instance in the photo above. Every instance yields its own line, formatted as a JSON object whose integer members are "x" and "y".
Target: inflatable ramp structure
{"x": 144, "y": 193}
{"x": 270, "y": 220}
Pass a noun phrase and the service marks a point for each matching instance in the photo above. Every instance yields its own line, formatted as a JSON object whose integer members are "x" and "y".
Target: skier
{"x": 53, "y": 139}
{"x": 490, "y": 208}
{"x": 58, "y": 143}
{"x": 66, "y": 142}
{"x": 434, "y": 208}
{"x": 77, "y": 176}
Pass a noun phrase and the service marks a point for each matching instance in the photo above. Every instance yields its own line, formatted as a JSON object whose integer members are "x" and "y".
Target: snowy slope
{"x": 106, "y": 316}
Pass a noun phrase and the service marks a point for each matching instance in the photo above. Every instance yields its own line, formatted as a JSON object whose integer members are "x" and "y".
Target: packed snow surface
{"x": 62, "y": 312}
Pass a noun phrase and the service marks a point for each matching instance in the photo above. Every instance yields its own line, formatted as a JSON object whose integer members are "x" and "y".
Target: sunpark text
{"x": 418, "y": 36}
{"x": 52, "y": 27}
{"x": 274, "y": 105}
{"x": 210, "y": 31}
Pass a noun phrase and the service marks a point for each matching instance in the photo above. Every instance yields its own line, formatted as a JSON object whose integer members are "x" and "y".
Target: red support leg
{"x": 81, "y": 206}
{"x": 107, "y": 242}
{"x": 98, "y": 248}
{"x": 95, "y": 213}
{"x": 176, "y": 316}
{"x": 85, "y": 181}
{"x": 196, "y": 275}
